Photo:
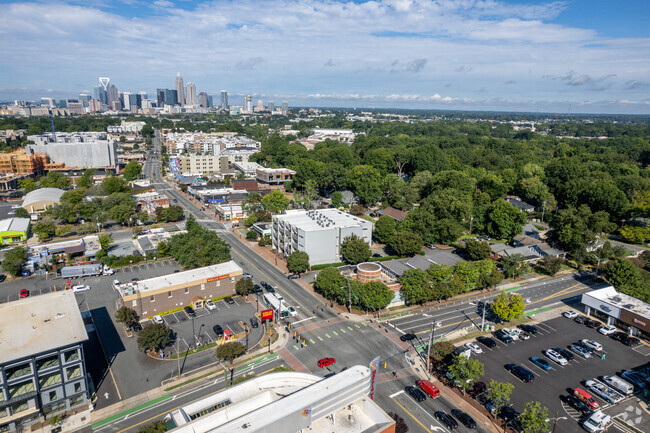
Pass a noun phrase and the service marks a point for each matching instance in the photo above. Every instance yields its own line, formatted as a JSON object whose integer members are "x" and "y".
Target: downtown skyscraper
{"x": 224, "y": 100}
{"x": 180, "y": 89}
{"x": 190, "y": 94}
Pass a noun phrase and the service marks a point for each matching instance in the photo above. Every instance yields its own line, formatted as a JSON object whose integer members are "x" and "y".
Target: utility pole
{"x": 433, "y": 329}
{"x": 483, "y": 319}
{"x": 349, "y": 295}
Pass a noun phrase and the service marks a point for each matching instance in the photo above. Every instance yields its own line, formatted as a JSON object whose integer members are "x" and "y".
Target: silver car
{"x": 580, "y": 351}
{"x": 555, "y": 356}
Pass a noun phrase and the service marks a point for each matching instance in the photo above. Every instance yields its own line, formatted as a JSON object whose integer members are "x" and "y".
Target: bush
{"x": 251, "y": 235}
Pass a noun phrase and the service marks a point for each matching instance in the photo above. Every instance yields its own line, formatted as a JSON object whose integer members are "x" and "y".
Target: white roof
{"x": 42, "y": 194}
{"x": 39, "y": 324}
{"x": 620, "y": 300}
{"x": 319, "y": 219}
{"x": 14, "y": 225}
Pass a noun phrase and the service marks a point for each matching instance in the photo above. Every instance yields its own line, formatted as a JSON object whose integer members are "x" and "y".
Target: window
{"x": 3, "y": 413}
{"x": 18, "y": 371}
{"x": 202, "y": 286}
{"x": 21, "y": 388}
{"x": 76, "y": 400}
{"x": 134, "y": 303}
{"x": 218, "y": 283}
{"x": 20, "y": 407}
{"x": 169, "y": 294}
{"x": 153, "y": 298}
{"x": 52, "y": 395}
{"x": 45, "y": 363}
{"x": 49, "y": 380}
{"x": 55, "y": 407}
{"x": 232, "y": 279}
{"x": 2, "y": 395}
{"x": 77, "y": 387}
{"x": 71, "y": 355}
{"x": 73, "y": 372}
{"x": 187, "y": 290}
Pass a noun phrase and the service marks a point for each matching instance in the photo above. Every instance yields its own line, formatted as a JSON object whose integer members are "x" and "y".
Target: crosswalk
{"x": 301, "y": 341}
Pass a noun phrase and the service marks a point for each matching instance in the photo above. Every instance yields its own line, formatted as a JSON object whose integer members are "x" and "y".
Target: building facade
{"x": 78, "y": 149}
{"x": 224, "y": 100}
{"x": 159, "y": 295}
{"x": 19, "y": 162}
{"x": 319, "y": 233}
{"x": 621, "y": 310}
{"x": 44, "y": 373}
{"x": 180, "y": 90}
{"x": 14, "y": 230}
{"x": 274, "y": 176}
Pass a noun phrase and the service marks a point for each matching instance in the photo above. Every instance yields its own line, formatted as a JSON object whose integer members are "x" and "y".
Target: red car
{"x": 24, "y": 293}
{"x": 325, "y": 362}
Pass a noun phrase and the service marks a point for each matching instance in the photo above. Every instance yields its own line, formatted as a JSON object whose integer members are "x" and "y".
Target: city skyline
{"x": 578, "y": 56}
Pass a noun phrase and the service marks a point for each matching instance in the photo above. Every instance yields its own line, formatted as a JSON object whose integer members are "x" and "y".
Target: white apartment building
{"x": 319, "y": 233}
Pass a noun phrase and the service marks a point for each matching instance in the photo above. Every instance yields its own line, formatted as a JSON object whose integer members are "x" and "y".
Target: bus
{"x": 273, "y": 302}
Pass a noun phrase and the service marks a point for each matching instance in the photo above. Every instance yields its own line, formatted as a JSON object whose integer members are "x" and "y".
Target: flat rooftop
{"x": 39, "y": 324}
{"x": 621, "y": 300}
{"x": 318, "y": 219}
{"x": 185, "y": 278}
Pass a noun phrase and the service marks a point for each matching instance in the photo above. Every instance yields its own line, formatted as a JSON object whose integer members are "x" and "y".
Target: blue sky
{"x": 590, "y": 55}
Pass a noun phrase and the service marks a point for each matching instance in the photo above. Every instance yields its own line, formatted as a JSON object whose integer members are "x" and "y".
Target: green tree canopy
{"x": 417, "y": 287}
{"x": 500, "y": 392}
{"x": 113, "y": 184}
{"x": 508, "y": 306}
{"x": 13, "y": 261}
{"x": 331, "y": 284}
{"x": 244, "y": 286}
{"x": 337, "y": 199}
{"x": 230, "y": 351}
{"x": 533, "y": 418}
{"x": 275, "y": 202}
{"x": 477, "y": 250}
{"x": 503, "y": 220}
{"x": 355, "y": 250}
{"x": 298, "y": 262}
{"x": 132, "y": 171}
{"x": 465, "y": 371}
{"x": 154, "y": 337}
{"x": 198, "y": 247}
{"x": 158, "y": 426}
{"x": 385, "y": 229}
{"x": 406, "y": 243}
{"x": 126, "y": 315}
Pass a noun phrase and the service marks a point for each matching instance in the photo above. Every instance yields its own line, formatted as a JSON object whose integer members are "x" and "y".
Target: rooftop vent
{"x": 59, "y": 315}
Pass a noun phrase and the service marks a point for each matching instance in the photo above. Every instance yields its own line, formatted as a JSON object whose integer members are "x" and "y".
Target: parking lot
{"x": 548, "y": 386}
{"x": 198, "y": 330}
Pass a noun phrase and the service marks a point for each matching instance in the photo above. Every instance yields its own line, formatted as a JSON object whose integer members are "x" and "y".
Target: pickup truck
{"x": 604, "y": 391}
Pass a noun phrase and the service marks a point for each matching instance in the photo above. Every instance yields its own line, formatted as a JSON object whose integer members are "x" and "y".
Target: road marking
{"x": 404, "y": 409}
{"x": 357, "y": 325}
{"x": 350, "y": 328}
{"x": 295, "y": 347}
{"x": 328, "y": 336}
{"x": 364, "y": 323}
{"x": 396, "y": 394}
{"x": 343, "y": 330}
{"x": 320, "y": 338}
{"x": 334, "y": 332}
{"x": 312, "y": 341}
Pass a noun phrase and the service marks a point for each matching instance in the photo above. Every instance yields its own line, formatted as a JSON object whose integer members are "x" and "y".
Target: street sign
{"x": 266, "y": 315}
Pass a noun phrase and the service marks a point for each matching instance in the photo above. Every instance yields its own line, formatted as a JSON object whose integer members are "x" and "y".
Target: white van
{"x": 619, "y": 384}
{"x": 597, "y": 422}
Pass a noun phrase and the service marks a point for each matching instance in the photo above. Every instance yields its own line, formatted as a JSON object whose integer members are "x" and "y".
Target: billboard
{"x": 220, "y": 277}
{"x": 266, "y": 315}
{"x": 374, "y": 365}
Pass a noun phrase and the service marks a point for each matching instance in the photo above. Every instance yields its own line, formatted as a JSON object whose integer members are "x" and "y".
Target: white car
{"x": 570, "y": 314}
{"x": 597, "y": 422}
{"x": 16, "y": 206}
{"x": 512, "y": 333}
{"x": 474, "y": 347}
{"x": 292, "y": 311}
{"x": 591, "y": 343}
{"x": 607, "y": 330}
{"x": 210, "y": 305}
{"x": 157, "y": 319}
{"x": 521, "y": 334}
{"x": 555, "y": 356}
{"x": 80, "y": 288}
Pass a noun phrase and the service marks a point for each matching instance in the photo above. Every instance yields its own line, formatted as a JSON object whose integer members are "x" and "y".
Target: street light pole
{"x": 433, "y": 329}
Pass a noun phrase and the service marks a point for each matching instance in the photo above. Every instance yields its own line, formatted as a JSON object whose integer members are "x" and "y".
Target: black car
{"x": 580, "y": 319}
{"x": 190, "y": 311}
{"x": 592, "y": 324}
{"x": 575, "y": 403}
{"x": 503, "y": 336}
{"x": 631, "y": 341}
{"x": 416, "y": 393}
{"x": 568, "y": 355}
{"x": 2, "y": 278}
{"x": 528, "y": 328}
{"x": 218, "y": 330}
{"x": 486, "y": 341}
{"x": 270, "y": 289}
{"x": 293, "y": 276}
{"x": 461, "y": 416}
{"x": 522, "y": 373}
{"x": 135, "y": 327}
{"x": 508, "y": 413}
{"x": 257, "y": 289}
{"x": 618, "y": 336}
{"x": 446, "y": 419}
{"x": 407, "y": 337}
{"x": 584, "y": 346}
{"x": 254, "y": 322}
{"x": 229, "y": 300}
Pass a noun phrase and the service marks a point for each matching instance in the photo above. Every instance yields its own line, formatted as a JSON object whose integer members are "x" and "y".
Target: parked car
{"x": 521, "y": 335}
{"x": 512, "y": 333}
{"x": 428, "y": 388}
{"x": 80, "y": 288}
{"x": 210, "y": 305}
{"x": 135, "y": 327}
{"x": 24, "y": 293}
{"x": 604, "y": 391}
{"x": 229, "y": 300}
{"x": 158, "y": 319}
{"x": 597, "y": 422}
{"x": 592, "y": 324}
{"x": 618, "y": 336}
{"x": 326, "y": 362}
{"x": 556, "y": 356}
{"x": 477, "y": 389}
{"x": 218, "y": 330}
{"x": 257, "y": 289}
{"x": 576, "y": 403}
{"x": 567, "y": 355}
{"x": 635, "y": 378}
{"x": 570, "y": 314}
{"x": 269, "y": 288}
{"x": 520, "y": 372}
{"x": 407, "y": 337}
{"x": 586, "y": 398}
{"x": 503, "y": 336}
{"x": 416, "y": 393}
{"x": 254, "y": 322}
{"x": 464, "y": 418}
{"x": 607, "y": 330}
{"x": 508, "y": 413}
{"x": 446, "y": 419}
{"x": 189, "y": 310}
{"x": 580, "y": 351}
{"x": 592, "y": 343}
{"x": 528, "y": 328}
{"x": 587, "y": 348}
{"x": 486, "y": 341}
{"x": 2, "y": 277}
{"x": 541, "y": 363}
{"x": 580, "y": 319}
{"x": 475, "y": 348}
{"x": 293, "y": 276}
{"x": 631, "y": 341}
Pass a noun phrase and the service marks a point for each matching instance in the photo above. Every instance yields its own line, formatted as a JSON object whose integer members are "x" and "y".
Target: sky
{"x": 577, "y": 56}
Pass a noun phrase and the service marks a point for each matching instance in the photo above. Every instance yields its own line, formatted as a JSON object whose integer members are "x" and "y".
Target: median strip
{"x": 541, "y": 310}
{"x": 129, "y": 411}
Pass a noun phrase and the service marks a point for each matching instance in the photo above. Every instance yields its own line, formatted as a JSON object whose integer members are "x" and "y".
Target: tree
{"x": 440, "y": 351}
{"x": 21, "y": 213}
{"x": 154, "y": 337}
{"x": 251, "y": 235}
{"x": 86, "y": 179}
{"x": 105, "y": 240}
{"x": 163, "y": 249}
{"x": 298, "y": 262}
{"x": 171, "y": 214}
{"x": 514, "y": 265}
{"x": 490, "y": 280}
{"x": 477, "y": 250}
{"x": 406, "y": 243}
{"x": 355, "y": 250}
{"x": 337, "y": 199}
{"x": 331, "y": 284}
{"x": 446, "y": 231}
{"x": 400, "y": 424}
{"x": 132, "y": 171}
{"x": 159, "y": 426}
{"x": 198, "y": 247}
{"x": 13, "y": 261}
{"x": 112, "y": 184}
{"x": 126, "y": 315}
{"x": 465, "y": 371}
{"x": 54, "y": 179}
{"x": 230, "y": 351}
{"x": 508, "y": 306}
{"x": 503, "y": 220}
{"x": 275, "y": 202}
{"x": 244, "y": 286}
{"x": 533, "y": 418}
{"x": 416, "y": 286}
{"x": 44, "y": 229}
{"x": 384, "y": 229}
{"x": 365, "y": 180}
{"x": 622, "y": 274}
{"x": 375, "y": 296}
{"x": 551, "y": 264}
{"x": 500, "y": 392}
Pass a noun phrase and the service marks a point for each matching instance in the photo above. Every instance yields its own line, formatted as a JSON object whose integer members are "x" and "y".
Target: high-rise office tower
{"x": 84, "y": 98}
{"x": 171, "y": 97}
{"x": 135, "y": 100}
{"x": 203, "y": 100}
{"x": 113, "y": 94}
{"x": 259, "y": 106}
{"x": 224, "y": 100}
{"x": 210, "y": 101}
{"x": 248, "y": 104}
{"x": 271, "y": 106}
{"x": 285, "y": 107}
{"x": 190, "y": 94}
{"x": 143, "y": 95}
{"x": 125, "y": 99}
{"x": 180, "y": 89}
